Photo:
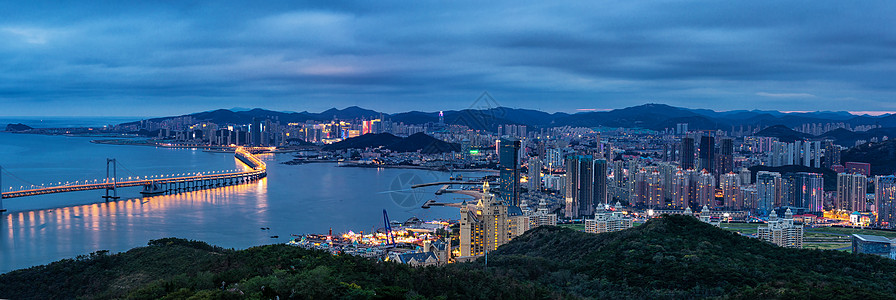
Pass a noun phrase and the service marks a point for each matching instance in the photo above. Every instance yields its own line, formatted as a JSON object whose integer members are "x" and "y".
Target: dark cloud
{"x": 174, "y": 57}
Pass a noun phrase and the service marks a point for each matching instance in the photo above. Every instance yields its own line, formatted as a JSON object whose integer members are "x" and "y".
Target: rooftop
{"x": 872, "y": 238}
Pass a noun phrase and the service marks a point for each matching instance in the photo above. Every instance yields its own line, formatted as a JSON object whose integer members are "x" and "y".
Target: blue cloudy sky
{"x": 172, "y": 57}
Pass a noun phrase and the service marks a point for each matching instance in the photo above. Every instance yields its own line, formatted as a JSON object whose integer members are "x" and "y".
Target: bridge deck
{"x": 259, "y": 168}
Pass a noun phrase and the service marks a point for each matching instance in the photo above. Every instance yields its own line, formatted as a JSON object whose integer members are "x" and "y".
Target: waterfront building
{"x": 510, "y": 170}
{"x": 851, "y": 190}
{"x": 885, "y": 200}
{"x": 873, "y": 244}
{"x": 608, "y": 220}
{"x": 782, "y": 232}
{"x": 486, "y": 224}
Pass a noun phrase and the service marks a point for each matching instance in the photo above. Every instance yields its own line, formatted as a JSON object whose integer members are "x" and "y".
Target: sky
{"x": 114, "y": 58}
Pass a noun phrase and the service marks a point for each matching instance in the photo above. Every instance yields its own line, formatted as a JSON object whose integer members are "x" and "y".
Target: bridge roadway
{"x": 259, "y": 170}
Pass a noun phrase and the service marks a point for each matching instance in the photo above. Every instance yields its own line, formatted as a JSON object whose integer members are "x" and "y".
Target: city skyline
{"x": 89, "y": 58}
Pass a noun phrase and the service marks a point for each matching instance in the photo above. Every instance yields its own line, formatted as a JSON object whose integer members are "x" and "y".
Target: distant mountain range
{"x": 416, "y": 142}
{"x": 648, "y": 116}
{"x": 840, "y": 136}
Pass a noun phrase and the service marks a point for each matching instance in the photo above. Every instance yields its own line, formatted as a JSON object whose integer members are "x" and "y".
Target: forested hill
{"x": 673, "y": 257}
{"x": 679, "y": 257}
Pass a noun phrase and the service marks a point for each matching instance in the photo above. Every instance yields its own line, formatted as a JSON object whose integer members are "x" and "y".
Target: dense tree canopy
{"x": 671, "y": 257}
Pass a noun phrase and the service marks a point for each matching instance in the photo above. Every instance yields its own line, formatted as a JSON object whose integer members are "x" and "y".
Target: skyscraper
{"x": 726, "y": 156}
{"x": 885, "y": 200}
{"x": 681, "y": 195}
{"x": 687, "y": 153}
{"x": 804, "y": 190}
{"x": 768, "y": 185}
{"x": 730, "y": 184}
{"x": 851, "y": 189}
{"x": 655, "y": 195}
{"x": 831, "y": 154}
{"x": 534, "y": 173}
{"x": 580, "y": 185}
{"x": 707, "y": 155}
{"x": 510, "y": 171}
{"x": 600, "y": 182}
{"x": 704, "y": 189}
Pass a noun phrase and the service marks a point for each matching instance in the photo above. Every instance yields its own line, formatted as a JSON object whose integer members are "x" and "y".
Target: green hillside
{"x": 674, "y": 257}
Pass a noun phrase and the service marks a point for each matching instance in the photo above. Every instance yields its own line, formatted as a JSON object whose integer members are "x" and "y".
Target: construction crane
{"x": 388, "y": 228}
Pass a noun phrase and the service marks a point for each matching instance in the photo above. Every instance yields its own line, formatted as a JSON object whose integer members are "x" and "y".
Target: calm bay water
{"x": 309, "y": 198}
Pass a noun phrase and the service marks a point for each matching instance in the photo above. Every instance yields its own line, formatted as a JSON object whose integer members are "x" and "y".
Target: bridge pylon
{"x": 1, "y": 191}
{"x": 114, "y": 180}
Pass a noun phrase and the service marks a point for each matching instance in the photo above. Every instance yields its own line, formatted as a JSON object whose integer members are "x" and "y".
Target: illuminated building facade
{"x": 485, "y": 225}
{"x": 782, "y": 232}
{"x": 681, "y": 189}
{"x": 705, "y": 190}
{"x": 510, "y": 170}
{"x": 851, "y": 190}
{"x": 804, "y": 190}
{"x": 608, "y": 221}
{"x": 885, "y": 200}
{"x": 730, "y": 185}
{"x": 579, "y": 185}
{"x": 768, "y": 187}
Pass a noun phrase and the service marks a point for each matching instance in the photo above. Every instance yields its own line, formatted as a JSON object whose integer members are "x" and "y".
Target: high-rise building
{"x": 580, "y": 185}
{"x": 730, "y": 185}
{"x": 768, "y": 187}
{"x": 851, "y": 190}
{"x": 707, "y": 155}
{"x": 885, "y": 200}
{"x": 726, "y": 156}
{"x": 655, "y": 196}
{"x": 640, "y": 189}
{"x": 749, "y": 195}
{"x": 804, "y": 190}
{"x": 486, "y": 225}
{"x": 600, "y": 182}
{"x": 534, "y": 173}
{"x": 782, "y": 232}
{"x": 510, "y": 171}
{"x": 705, "y": 188}
{"x": 831, "y": 154}
{"x": 687, "y": 153}
{"x": 681, "y": 189}
{"x": 255, "y": 132}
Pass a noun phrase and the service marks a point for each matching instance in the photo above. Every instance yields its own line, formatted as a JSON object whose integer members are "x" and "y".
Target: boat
{"x": 152, "y": 189}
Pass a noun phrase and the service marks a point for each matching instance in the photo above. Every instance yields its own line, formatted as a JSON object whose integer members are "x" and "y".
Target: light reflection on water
{"x": 299, "y": 199}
